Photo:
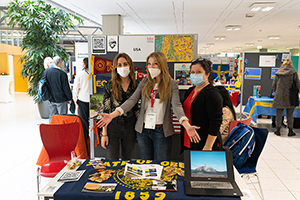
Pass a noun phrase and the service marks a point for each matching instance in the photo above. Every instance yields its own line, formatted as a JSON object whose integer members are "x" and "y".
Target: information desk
{"x": 127, "y": 188}
{"x": 263, "y": 106}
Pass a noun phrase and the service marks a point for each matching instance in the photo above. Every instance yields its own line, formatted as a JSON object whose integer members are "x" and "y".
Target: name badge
{"x": 150, "y": 120}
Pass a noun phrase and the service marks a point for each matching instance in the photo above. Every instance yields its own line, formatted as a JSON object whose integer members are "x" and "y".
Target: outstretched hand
{"x": 105, "y": 120}
{"x": 191, "y": 131}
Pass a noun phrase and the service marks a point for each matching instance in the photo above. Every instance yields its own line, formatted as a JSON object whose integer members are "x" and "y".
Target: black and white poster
{"x": 99, "y": 44}
{"x": 112, "y": 44}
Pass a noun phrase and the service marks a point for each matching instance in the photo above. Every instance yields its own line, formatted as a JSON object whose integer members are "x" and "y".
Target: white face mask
{"x": 154, "y": 72}
{"x": 123, "y": 71}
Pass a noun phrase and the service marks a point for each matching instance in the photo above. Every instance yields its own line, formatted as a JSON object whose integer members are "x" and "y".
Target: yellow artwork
{"x": 177, "y": 48}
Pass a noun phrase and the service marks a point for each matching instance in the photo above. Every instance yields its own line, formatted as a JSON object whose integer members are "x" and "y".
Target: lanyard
{"x": 153, "y": 97}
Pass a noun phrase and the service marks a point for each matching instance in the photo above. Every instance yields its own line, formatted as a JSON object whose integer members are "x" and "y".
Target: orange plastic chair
{"x": 233, "y": 123}
{"x": 59, "y": 141}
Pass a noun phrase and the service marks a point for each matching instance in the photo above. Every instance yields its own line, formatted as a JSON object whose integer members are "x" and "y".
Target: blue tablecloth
{"x": 263, "y": 106}
{"x": 126, "y": 189}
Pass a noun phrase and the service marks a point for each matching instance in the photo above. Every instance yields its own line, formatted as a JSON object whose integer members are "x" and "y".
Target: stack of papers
{"x": 71, "y": 176}
{"x": 135, "y": 171}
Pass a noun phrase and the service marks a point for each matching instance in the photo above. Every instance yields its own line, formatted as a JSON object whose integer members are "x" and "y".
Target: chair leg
{"x": 261, "y": 192}
{"x": 38, "y": 178}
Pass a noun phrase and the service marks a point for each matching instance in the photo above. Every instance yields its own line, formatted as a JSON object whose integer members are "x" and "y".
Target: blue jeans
{"x": 153, "y": 142}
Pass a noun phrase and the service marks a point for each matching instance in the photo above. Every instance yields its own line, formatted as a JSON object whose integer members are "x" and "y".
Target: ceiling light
{"x": 274, "y": 37}
{"x": 249, "y": 44}
{"x": 210, "y": 44}
{"x": 233, "y": 27}
{"x": 262, "y": 6}
{"x": 259, "y": 47}
{"x": 249, "y": 15}
{"x": 273, "y": 50}
{"x": 220, "y": 37}
{"x": 238, "y": 48}
{"x": 289, "y": 48}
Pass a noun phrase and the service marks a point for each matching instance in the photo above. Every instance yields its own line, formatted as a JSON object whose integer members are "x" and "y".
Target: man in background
{"x": 60, "y": 89}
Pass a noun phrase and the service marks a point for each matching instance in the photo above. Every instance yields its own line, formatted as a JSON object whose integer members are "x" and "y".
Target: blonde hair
{"x": 164, "y": 86}
{"x": 287, "y": 62}
{"x": 115, "y": 77}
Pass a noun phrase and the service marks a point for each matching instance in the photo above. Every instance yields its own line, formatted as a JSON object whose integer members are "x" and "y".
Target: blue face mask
{"x": 197, "y": 79}
{"x": 51, "y": 65}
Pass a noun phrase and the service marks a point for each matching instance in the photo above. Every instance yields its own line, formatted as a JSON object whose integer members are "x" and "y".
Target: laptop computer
{"x": 210, "y": 173}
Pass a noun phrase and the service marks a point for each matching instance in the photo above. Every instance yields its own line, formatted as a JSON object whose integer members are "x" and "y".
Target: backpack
{"x": 44, "y": 89}
{"x": 241, "y": 142}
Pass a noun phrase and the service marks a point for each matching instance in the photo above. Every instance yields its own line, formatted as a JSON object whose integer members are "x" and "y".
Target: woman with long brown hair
{"x": 121, "y": 130}
{"x": 154, "y": 125}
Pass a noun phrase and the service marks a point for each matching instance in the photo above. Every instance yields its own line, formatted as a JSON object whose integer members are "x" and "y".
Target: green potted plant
{"x": 43, "y": 26}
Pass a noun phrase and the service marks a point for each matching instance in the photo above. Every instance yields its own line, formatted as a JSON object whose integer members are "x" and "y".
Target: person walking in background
{"x": 203, "y": 106}
{"x": 284, "y": 78}
{"x": 81, "y": 95}
{"x": 117, "y": 91}
{"x": 154, "y": 124}
{"x": 228, "y": 112}
{"x": 48, "y": 62}
{"x": 59, "y": 87}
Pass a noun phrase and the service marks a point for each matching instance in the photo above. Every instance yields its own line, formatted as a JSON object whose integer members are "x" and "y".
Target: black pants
{"x": 289, "y": 116}
{"x": 84, "y": 110}
{"x": 120, "y": 131}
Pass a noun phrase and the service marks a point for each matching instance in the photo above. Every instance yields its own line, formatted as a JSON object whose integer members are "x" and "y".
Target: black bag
{"x": 294, "y": 98}
{"x": 43, "y": 89}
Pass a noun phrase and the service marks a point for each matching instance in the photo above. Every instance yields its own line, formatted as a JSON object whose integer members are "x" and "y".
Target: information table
{"x": 128, "y": 188}
{"x": 263, "y": 106}
{"x": 4, "y": 89}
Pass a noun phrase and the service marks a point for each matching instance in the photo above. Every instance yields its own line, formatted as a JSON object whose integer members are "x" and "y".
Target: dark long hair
{"x": 206, "y": 65}
{"x": 226, "y": 99}
{"x": 86, "y": 63}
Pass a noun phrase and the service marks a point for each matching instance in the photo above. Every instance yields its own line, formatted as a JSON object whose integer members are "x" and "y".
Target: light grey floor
{"x": 20, "y": 144}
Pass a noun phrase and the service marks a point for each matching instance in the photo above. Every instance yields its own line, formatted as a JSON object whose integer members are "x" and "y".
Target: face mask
{"x": 197, "y": 79}
{"x": 221, "y": 76}
{"x": 123, "y": 71}
{"x": 51, "y": 65}
{"x": 154, "y": 72}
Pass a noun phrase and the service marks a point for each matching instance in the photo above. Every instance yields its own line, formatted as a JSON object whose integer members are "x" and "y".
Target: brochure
{"x": 97, "y": 164}
{"x": 164, "y": 185}
{"x": 135, "y": 171}
{"x": 71, "y": 176}
{"x": 99, "y": 187}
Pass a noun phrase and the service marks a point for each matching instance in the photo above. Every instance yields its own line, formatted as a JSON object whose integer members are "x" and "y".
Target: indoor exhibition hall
{"x": 140, "y": 99}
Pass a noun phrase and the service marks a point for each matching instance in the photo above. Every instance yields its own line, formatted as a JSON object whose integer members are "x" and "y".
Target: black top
{"x": 59, "y": 85}
{"x": 110, "y": 105}
{"x": 206, "y": 112}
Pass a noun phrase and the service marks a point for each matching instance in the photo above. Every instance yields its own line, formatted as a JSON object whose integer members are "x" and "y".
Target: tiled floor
{"x": 20, "y": 144}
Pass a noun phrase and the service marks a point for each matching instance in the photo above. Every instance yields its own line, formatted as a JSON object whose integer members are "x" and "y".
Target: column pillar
{"x": 112, "y": 24}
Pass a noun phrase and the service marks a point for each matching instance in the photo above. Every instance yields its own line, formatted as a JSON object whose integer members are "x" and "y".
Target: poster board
{"x": 182, "y": 75}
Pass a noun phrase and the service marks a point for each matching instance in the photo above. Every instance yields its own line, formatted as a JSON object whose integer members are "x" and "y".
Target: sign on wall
{"x": 253, "y": 73}
{"x": 99, "y": 44}
{"x": 267, "y": 61}
{"x": 273, "y": 71}
{"x": 112, "y": 44}
{"x": 137, "y": 47}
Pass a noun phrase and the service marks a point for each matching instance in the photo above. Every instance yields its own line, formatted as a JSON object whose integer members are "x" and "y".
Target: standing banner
{"x": 81, "y": 52}
{"x": 137, "y": 47}
{"x": 112, "y": 44}
{"x": 140, "y": 75}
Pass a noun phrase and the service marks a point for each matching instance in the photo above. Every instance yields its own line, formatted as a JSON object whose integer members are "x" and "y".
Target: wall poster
{"x": 182, "y": 75}
{"x": 267, "y": 61}
{"x": 112, "y": 44}
{"x": 99, "y": 44}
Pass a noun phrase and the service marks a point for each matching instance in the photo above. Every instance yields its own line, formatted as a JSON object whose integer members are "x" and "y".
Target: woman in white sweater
{"x": 81, "y": 94}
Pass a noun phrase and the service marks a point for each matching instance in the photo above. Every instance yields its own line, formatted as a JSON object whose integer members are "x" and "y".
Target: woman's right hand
{"x": 104, "y": 141}
{"x": 105, "y": 120}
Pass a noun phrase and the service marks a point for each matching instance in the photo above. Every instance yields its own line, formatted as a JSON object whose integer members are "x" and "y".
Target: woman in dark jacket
{"x": 283, "y": 80}
{"x": 203, "y": 106}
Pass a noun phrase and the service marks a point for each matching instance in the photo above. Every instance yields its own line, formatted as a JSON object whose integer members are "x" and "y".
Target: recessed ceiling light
{"x": 220, "y": 37}
{"x": 262, "y": 6}
{"x": 249, "y": 15}
{"x": 289, "y": 48}
{"x": 233, "y": 27}
{"x": 274, "y": 37}
{"x": 238, "y": 48}
{"x": 249, "y": 44}
{"x": 259, "y": 47}
{"x": 210, "y": 44}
